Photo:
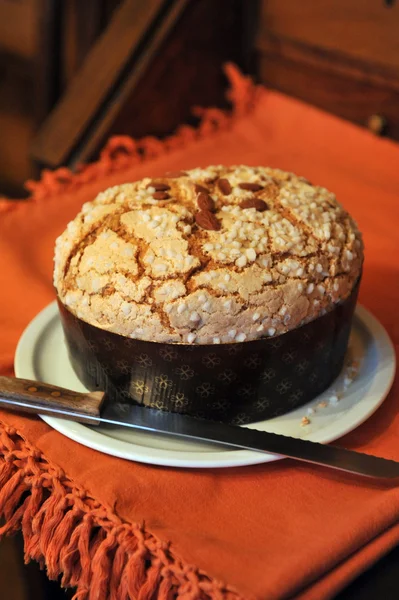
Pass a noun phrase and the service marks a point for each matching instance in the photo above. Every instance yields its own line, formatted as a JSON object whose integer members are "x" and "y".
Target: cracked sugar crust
{"x": 212, "y": 255}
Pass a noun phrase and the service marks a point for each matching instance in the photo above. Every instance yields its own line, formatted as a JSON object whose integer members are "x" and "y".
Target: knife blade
{"x": 42, "y": 398}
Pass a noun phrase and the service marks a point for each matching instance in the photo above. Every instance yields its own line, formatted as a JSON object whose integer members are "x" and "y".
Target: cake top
{"x": 208, "y": 255}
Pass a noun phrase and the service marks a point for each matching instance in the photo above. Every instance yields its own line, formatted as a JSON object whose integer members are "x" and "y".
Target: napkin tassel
{"x": 75, "y": 561}
{"x": 31, "y": 545}
{"x": 102, "y": 566}
{"x": 134, "y": 573}
{"x": 61, "y": 536}
{"x": 151, "y": 584}
{"x": 118, "y": 564}
{"x": 167, "y": 589}
{"x": 53, "y": 519}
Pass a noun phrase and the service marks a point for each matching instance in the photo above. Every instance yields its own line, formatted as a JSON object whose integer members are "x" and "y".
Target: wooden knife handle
{"x": 42, "y": 398}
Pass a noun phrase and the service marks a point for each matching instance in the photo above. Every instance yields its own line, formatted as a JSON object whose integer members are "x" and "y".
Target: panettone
{"x": 208, "y": 256}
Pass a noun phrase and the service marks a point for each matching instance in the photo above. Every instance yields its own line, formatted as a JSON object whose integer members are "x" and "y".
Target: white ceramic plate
{"x": 42, "y": 355}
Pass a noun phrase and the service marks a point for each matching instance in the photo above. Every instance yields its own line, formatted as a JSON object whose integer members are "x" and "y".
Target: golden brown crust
{"x": 214, "y": 255}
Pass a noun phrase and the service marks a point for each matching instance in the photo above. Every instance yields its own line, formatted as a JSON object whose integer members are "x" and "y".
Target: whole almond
{"x": 257, "y": 203}
{"x": 159, "y": 186}
{"x": 252, "y": 187}
{"x": 224, "y": 186}
{"x": 160, "y": 195}
{"x": 207, "y": 220}
{"x": 205, "y": 202}
{"x": 200, "y": 188}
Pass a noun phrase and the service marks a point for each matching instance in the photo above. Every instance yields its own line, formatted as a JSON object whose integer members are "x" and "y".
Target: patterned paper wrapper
{"x": 237, "y": 382}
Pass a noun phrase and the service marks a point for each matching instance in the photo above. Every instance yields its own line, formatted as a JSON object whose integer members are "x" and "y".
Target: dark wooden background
{"x": 74, "y": 72}
{"x": 341, "y": 55}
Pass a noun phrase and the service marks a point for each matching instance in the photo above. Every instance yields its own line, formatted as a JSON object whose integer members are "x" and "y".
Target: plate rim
{"x": 176, "y": 458}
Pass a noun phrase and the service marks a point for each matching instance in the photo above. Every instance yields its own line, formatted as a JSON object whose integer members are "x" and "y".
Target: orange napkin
{"x": 118, "y": 529}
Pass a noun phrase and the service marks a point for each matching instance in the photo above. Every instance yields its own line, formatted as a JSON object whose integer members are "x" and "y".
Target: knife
{"x": 90, "y": 408}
